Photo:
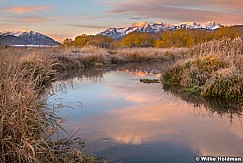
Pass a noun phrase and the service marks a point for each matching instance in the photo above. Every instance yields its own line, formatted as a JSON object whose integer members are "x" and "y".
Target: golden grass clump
{"x": 211, "y": 69}
{"x": 226, "y": 83}
{"x": 194, "y": 71}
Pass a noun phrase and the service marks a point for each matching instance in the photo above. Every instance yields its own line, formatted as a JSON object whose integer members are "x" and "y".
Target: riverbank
{"x": 76, "y": 58}
{"x": 211, "y": 69}
{"x": 27, "y": 123}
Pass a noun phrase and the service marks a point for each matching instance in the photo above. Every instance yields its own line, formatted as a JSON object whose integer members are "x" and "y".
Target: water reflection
{"x": 125, "y": 120}
{"x": 230, "y": 108}
{"x": 167, "y": 123}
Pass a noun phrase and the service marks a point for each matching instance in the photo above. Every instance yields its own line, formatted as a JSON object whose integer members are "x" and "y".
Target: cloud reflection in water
{"x": 154, "y": 116}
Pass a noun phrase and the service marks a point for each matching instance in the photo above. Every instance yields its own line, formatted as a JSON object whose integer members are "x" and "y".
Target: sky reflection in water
{"x": 125, "y": 120}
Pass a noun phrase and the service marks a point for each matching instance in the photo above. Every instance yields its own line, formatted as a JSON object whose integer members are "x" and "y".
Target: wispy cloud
{"x": 27, "y": 9}
{"x": 137, "y": 18}
{"x": 181, "y": 10}
{"x": 25, "y": 19}
{"x": 87, "y": 26}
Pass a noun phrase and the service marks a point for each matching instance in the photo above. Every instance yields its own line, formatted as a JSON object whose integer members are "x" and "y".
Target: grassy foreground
{"x": 211, "y": 69}
{"x": 27, "y": 125}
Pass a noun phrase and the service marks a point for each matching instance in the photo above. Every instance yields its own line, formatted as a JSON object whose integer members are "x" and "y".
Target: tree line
{"x": 166, "y": 39}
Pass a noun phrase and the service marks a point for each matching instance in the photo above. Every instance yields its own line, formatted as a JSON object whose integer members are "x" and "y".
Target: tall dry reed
{"x": 27, "y": 125}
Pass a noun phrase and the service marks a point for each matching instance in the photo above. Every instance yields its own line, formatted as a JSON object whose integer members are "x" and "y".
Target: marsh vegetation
{"x": 28, "y": 125}
{"x": 211, "y": 69}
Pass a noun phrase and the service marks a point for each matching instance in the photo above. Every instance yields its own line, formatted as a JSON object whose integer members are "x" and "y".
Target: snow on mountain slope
{"x": 12, "y": 40}
{"x": 27, "y": 37}
{"x": 117, "y": 33}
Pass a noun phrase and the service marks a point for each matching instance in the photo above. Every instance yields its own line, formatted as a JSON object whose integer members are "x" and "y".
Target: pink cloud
{"x": 27, "y": 9}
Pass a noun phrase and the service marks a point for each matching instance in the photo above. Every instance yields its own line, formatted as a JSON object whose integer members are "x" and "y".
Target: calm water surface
{"x": 124, "y": 120}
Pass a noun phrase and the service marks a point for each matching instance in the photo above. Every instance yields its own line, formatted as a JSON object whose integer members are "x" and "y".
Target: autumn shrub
{"x": 183, "y": 38}
{"x": 89, "y": 40}
{"x": 138, "y": 39}
{"x": 230, "y": 32}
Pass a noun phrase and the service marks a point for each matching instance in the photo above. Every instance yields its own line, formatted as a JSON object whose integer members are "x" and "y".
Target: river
{"x": 122, "y": 119}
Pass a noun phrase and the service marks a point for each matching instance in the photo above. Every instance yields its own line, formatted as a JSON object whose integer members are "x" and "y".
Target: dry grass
{"x": 77, "y": 58}
{"x": 27, "y": 126}
{"x": 144, "y": 54}
{"x": 73, "y": 58}
{"x": 211, "y": 69}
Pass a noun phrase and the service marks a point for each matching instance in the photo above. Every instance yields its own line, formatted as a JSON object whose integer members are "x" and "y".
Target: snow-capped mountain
{"x": 117, "y": 33}
{"x": 26, "y": 38}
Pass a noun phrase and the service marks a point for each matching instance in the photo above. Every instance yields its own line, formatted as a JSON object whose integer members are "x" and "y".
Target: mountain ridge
{"x": 26, "y": 38}
{"x": 155, "y": 27}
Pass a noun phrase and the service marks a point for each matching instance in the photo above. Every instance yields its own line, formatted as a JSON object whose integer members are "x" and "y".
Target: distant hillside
{"x": 26, "y": 39}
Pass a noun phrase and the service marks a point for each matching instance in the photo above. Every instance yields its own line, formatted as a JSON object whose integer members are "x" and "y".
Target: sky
{"x": 62, "y": 19}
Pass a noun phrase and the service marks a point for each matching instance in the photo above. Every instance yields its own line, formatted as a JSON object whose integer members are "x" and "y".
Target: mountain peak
{"x": 212, "y": 25}
{"x": 26, "y": 38}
